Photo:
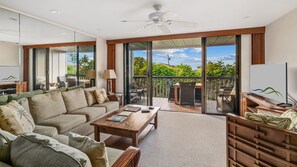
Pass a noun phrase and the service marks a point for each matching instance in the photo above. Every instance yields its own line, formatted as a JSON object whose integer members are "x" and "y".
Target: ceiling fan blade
{"x": 183, "y": 23}
{"x": 164, "y": 29}
{"x": 125, "y": 21}
{"x": 142, "y": 28}
{"x": 168, "y": 15}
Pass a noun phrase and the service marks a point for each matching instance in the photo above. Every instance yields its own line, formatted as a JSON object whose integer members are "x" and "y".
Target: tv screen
{"x": 269, "y": 81}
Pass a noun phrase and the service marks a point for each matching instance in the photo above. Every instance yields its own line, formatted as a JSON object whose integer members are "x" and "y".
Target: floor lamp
{"x": 109, "y": 75}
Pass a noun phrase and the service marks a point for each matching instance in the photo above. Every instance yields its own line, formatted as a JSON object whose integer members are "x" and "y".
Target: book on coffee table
{"x": 117, "y": 118}
{"x": 125, "y": 113}
{"x": 132, "y": 108}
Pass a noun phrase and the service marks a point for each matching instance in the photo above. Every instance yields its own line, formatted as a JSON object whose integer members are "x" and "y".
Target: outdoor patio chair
{"x": 187, "y": 93}
{"x": 62, "y": 81}
{"x": 198, "y": 95}
{"x": 171, "y": 90}
{"x": 226, "y": 99}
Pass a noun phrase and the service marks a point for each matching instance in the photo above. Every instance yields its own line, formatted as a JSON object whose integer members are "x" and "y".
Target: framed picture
{"x": 9, "y": 73}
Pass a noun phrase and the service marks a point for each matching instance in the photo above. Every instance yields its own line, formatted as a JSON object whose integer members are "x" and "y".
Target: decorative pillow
{"x": 37, "y": 150}
{"x": 292, "y": 114}
{"x": 5, "y": 142}
{"x": 15, "y": 119}
{"x": 266, "y": 112}
{"x": 91, "y": 99}
{"x": 96, "y": 151}
{"x": 101, "y": 95}
{"x": 270, "y": 120}
{"x": 74, "y": 99}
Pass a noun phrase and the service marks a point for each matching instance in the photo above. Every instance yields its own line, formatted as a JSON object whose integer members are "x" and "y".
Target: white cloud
{"x": 197, "y": 50}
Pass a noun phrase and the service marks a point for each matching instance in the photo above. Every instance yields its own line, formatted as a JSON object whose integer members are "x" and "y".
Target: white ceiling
{"x": 103, "y": 17}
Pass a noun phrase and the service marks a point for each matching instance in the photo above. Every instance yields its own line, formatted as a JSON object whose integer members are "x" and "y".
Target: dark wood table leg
{"x": 96, "y": 133}
{"x": 156, "y": 121}
{"x": 135, "y": 139}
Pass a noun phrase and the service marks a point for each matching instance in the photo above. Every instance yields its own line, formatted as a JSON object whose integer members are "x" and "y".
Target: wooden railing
{"x": 81, "y": 76}
{"x": 161, "y": 87}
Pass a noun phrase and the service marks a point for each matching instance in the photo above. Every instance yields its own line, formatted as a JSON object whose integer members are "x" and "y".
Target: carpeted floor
{"x": 185, "y": 140}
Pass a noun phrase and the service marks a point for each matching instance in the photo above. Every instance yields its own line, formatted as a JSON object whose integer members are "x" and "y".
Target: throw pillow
{"x": 5, "y": 142}
{"x": 101, "y": 95}
{"x": 96, "y": 151}
{"x": 15, "y": 119}
{"x": 292, "y": 114}
{"x": 269, "y": 120}
{"x": 35, "y": 150}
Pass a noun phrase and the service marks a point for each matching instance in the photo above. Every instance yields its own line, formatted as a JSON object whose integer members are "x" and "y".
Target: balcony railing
{"x": 161, "y": 87}
{"x": 81, "y": 76}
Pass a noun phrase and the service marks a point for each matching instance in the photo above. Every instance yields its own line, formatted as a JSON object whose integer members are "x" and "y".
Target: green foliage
{"x": 140, "y": 66}
{"x": 163, "y": 70}
{"x": 219, "y": 69}
{"x": 84, "y": 64}
{"x": 184, "y": 70}
{"x": 71, "y": 69}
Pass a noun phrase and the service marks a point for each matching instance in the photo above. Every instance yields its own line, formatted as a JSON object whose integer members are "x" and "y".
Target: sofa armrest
{"x": 129, "y": 158}
{"x": 112, "y": 98}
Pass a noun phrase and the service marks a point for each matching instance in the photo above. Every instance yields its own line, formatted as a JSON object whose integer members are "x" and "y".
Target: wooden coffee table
{"x": 130, "y": 127}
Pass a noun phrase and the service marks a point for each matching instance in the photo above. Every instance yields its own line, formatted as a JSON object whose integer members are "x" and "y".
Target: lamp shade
{"x": 91, "y": 74}
{"x": 109, "y": 74}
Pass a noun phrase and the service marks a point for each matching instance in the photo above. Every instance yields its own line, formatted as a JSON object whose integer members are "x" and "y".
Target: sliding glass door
{"x": 221, "y": 75}
{"x": 138, "y": 73}
{"x": 40, "y": 69}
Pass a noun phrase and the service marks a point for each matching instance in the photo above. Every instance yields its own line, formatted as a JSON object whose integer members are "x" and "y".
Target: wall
{"x": 246, "y": 57}
{"x": 101, "y": 61}
{"x": 280, "y": 46}
{"x": 9, "y": 54}
{"x": 120, "y": 68}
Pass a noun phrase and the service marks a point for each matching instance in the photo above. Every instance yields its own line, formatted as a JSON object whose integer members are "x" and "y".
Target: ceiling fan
{"x": 162, "y": 20}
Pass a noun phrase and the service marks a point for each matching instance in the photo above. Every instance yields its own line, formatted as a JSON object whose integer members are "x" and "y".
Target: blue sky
{"x": 191, "y": 56}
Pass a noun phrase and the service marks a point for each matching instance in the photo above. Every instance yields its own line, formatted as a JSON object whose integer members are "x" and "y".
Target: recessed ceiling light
{"x": 55, "y": 12}
{"x": 246, "y": 17}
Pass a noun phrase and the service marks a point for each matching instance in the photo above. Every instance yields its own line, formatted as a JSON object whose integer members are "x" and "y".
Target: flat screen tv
{"x": 270, "y": 81}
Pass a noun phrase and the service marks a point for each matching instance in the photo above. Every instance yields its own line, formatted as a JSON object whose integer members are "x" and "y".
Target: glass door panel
{"x": 40, "y": 69}
{"x": 220, "y": 75}
{"x": 86, "y": 64}
{"x": 137, "y": 70}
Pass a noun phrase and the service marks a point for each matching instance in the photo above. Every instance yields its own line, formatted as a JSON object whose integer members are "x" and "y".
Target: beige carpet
{"x": 185, "y": 140}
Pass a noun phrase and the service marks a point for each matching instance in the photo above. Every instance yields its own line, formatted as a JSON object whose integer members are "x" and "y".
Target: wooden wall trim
{"x": 258, "y": 48}
{"x": 111, "y": 62}
{"x": 26, "y": 65}
{"x": 255, "y": 30}
{"x": 87, "y": 43}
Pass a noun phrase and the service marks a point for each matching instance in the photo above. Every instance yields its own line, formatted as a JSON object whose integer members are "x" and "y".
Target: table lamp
{"x": 91, "y": 75}
{"x": 109, "y": 75}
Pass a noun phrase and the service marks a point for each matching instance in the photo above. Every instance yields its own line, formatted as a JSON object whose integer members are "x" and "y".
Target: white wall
{"x": 9, "y": 54}
{"x": 120, "y": 68}
{"x": 101, "y": 61}
{"x": 280, "y": 46}
{"x": 246, "y": 58}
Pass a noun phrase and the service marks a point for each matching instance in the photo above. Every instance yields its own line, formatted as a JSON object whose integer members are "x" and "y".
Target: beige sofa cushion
{"x": 15, "y": 119}
{"x": 110, "y": 105}
{"x": 46, "y": 130}
{"x": 96, "y": 151}
{"x": 5, "y": 142}
{"x": 113, "y": 155}
{"x": 46, "y": 106}
{"x": 24, "y": 103}
{"x": 46, "y": 152}
{"x": 90, "y": 112}
{"x": 64, "y": 122}
{"x": 101, "y": 95}
{"x": 2, "y": 164}
{"x": 74, "y": 99}
{"x": 91, "y": 99}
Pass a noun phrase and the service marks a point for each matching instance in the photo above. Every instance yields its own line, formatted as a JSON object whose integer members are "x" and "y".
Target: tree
{"x": 184, "y": 70}
{"x": 163, "y": 70}
{"x": 140, "y": 66}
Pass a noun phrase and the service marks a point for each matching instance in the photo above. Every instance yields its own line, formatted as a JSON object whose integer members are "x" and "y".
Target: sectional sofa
{"x": 59, "y": 112}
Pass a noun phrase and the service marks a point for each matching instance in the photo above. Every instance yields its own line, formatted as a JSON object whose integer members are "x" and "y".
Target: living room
{"x": 69, "y": 67}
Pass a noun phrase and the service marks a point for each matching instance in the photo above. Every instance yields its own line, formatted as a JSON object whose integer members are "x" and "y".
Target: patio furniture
{"x": 171, "y": 90}
{"x": 226, "y": 100}
{"x": 198, "y": 95}
{"x": 176, "y": 88}
{"x": 187, "y": 93}
{"x": 62, "y": 81}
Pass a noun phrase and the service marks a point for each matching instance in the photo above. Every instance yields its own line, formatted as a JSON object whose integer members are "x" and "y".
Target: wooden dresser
{"x": 13, "y": 87}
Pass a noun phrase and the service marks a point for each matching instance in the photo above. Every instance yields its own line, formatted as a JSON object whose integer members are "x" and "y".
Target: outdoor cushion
{"x": 113, "y": 154}
{"x": 46, "y": 106}
{"x": 35, "y": 150}
{"x": 90, "y": 112}
{"x": 270, "y": 120}
{"x": 5, "y": 142}
{"x": 46, "y": 130}
{"x": 91, "y": 99}
{"x": 110, "y": 105}
{"x": 24, "y": 103}
{"x": 64, "y": 122}
{"x": 3, "y": 99}
{"x": 75, "y": 87}
{"x": 96, "y": 151}
{"x": 23, "y": 95}
{"x": 74, "y": 99}
{"x": 15, "y": 119}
